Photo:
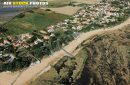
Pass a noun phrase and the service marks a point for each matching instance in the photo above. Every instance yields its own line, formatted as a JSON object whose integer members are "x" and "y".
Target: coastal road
{"x": 7, "y": 78}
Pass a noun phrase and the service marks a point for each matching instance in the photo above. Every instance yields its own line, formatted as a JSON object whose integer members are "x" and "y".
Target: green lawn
{"x": 31, "y": 21}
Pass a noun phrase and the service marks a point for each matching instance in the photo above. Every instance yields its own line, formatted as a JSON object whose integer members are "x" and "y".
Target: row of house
{"x": 100, "y": 14}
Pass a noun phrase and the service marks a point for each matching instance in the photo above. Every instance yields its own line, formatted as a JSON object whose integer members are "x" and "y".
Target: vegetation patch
{"x": 101, "y": 57}
{"x": 59, "y": 3}
{"x": 63, "y": 72}
{"x": 38, "y": 20}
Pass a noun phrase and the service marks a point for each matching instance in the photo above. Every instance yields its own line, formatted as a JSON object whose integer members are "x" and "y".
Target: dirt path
{"x": 7, "y": 78}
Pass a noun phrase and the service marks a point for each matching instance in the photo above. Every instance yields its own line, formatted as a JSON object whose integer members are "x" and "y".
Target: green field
{"x": 37, "y": 20}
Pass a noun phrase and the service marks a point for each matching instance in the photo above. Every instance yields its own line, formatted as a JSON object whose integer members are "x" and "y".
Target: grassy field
{"x": 39, "y": 19}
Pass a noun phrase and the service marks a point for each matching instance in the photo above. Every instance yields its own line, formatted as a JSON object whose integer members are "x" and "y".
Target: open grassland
{"x": 37, "y": 20}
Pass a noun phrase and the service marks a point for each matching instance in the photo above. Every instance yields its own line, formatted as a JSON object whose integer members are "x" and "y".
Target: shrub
{"x": 48, "y": 10}
{"x": 21, "y": 15}
{"x": 30, "y": 11}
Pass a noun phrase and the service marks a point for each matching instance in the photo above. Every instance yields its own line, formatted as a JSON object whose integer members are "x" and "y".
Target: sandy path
{"x": 6, "y": 79}
{"x": 68, "y": 10}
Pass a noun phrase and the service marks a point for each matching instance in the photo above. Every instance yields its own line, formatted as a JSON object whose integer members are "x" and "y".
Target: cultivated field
{"x": 67, "y": 10}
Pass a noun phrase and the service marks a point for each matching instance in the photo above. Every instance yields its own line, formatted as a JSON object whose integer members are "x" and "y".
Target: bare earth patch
{"x": 68, "y": 10}
{"x": 87, "y": 1}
